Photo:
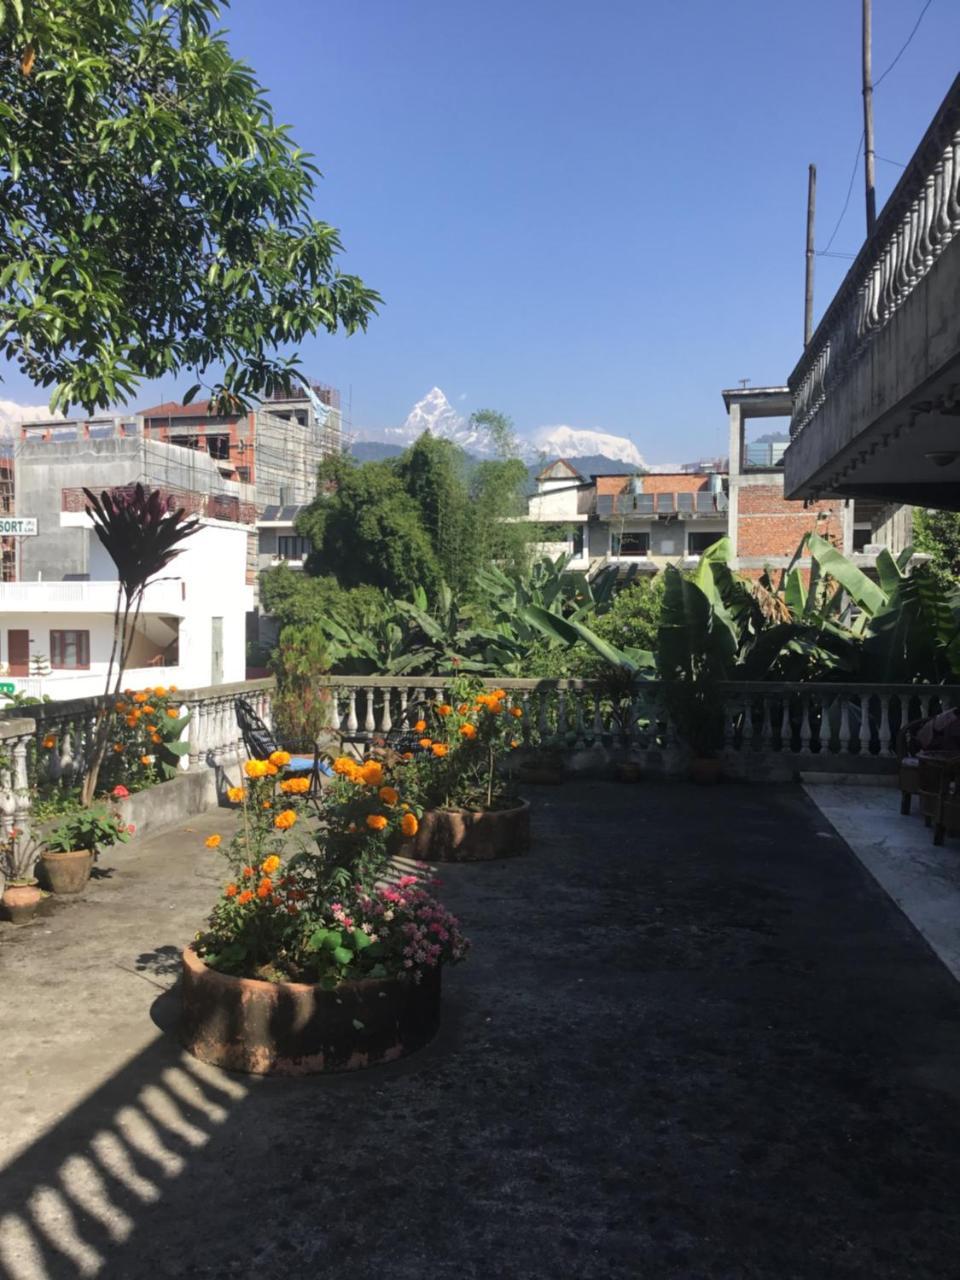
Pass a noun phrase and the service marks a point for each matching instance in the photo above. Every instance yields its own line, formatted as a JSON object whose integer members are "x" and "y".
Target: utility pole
{"x": 811, "y": 218}
{"x": 868, "y": 153}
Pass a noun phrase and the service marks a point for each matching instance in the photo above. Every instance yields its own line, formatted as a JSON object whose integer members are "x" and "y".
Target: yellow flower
{"x": 388, "y": 795}
{"x": 468, "y": 730}
{"x": 235, "y": 794}
{"x": 439, "y": 749}
{"x": 444, "y": 709}
{"x": 371, "y": 771}
{"x": 270, "y": 865}
{"x": 255, "y": 768}
{"x": 279, "y": 758}
{"x": 344, "y": 766}
{"x": 212, "y": 841}
{"x": 376, "y": 821}
{"x": 285, "y": 819}
{"x": 409, "y": 825}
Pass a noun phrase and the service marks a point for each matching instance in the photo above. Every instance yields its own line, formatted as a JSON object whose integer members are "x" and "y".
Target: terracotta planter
{"x": 20, "y": 902}
{"x": 706, "y": 771}
{"x": 467, "y": 835}
{"x": 293, "y": 1028}
{"x": 541, "y": 773}
{"x": 627, "y": 771}
{"x": 66, "y": 872}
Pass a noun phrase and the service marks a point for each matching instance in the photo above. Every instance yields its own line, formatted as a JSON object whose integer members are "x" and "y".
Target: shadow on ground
{"x": 694, "y": 1040}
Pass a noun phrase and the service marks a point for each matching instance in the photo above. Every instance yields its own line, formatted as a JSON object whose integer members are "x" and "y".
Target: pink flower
{"x": 119, "y": 791}
{"x": 131, "y": 828}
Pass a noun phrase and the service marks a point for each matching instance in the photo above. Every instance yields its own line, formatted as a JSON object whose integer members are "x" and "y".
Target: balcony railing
{"x": 914, "y": 228}
{"x": 166, "y": 596}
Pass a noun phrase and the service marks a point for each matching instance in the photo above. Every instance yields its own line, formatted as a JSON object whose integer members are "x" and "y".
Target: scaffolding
{"x": 8, "y": 546}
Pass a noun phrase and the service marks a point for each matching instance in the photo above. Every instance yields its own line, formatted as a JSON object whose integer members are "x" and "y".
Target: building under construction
{"x": 276, "y": 447}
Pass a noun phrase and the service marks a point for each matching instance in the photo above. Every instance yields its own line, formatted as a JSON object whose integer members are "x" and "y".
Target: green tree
{"x": 296, "y": 599}
{"x": 938, "y": 534}
{"x": 434, "y": 473}
{"x": 366, "y": 529}
{"x": 153, "y": 216}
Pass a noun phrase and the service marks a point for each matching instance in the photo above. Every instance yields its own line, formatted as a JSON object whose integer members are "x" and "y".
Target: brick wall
{"x": 771, "y": 526}
{"x": 675, "y": 482}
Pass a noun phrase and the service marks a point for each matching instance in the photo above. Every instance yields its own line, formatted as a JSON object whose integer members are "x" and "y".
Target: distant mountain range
{"x": 590, "y": 451}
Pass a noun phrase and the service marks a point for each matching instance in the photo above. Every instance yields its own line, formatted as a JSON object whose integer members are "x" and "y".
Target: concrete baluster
{"x": 806, "y": 733}
{"x": 786, "y": 728}
{"x": 886, "y": 747}
{"x": 353, "y": 723}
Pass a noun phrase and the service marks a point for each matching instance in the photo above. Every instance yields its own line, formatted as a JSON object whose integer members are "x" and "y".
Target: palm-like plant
{"x": 141, "y": 533}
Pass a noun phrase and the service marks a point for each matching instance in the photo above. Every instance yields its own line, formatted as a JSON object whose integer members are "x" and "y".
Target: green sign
{"x": 7, "y": 687}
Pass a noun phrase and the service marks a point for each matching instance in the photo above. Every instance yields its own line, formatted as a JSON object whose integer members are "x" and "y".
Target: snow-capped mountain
{"x": 12, "y": 414}
{"x": 573, "y": 442}
{"x": 435, "y": 413}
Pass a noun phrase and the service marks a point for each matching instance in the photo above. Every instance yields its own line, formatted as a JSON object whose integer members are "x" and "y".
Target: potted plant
{"x": 456, "y": 777}
{"x": 21, "y": 893}
{"x": 696, "y": 712}
{"x": 312, "y": 960}
{"x": 71, "y": 847}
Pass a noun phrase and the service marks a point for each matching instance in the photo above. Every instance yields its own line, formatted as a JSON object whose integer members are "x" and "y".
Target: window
{"x": 292, "y": 548}
{"x": 862, "y": 535}
{"x": 218, "y": 446}
{"x": 576, "y": 541}
{"x": 629, "y": 544}
{"x": 699, "y": 542}
{"x": 69, "y": 650}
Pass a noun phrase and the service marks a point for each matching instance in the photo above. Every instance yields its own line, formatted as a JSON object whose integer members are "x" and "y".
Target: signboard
{"x": 18, "y": 526}
{"x": 6, "y": 688}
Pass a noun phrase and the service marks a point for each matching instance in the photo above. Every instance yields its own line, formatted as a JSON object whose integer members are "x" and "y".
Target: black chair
{"x": 260, "y": 743}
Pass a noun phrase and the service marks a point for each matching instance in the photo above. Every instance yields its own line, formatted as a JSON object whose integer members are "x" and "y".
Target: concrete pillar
{"x": 736, "y": 464}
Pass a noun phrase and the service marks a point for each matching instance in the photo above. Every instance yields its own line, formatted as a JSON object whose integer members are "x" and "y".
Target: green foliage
{"x": 366, "y": 529}
{"x": 90, "y": 828}
{"x": 153, "y": 216}
{"x": 937, "y": 533}
{"x": 301, "y": 706}
{"x": 434, "y": 473}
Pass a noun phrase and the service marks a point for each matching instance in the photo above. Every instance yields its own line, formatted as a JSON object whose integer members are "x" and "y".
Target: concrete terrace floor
{"x": 695, "y": 1040}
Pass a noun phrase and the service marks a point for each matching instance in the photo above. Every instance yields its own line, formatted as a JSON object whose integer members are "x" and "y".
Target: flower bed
{"x": 307, "y": 907}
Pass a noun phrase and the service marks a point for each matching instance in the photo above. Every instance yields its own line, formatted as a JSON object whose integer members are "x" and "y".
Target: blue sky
{"x": 584, "y": 214}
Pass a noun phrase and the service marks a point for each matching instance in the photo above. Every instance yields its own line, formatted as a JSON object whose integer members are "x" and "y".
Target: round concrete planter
{"x": 468, "y": 835}
{"x": 66, "y": 873}
{"x": 20, "y": 902}
{"x": 293, "y": 1028}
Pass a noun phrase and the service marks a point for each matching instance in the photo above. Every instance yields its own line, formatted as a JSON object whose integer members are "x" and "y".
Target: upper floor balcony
{"x": 652, "y": 505}
{"x": 876, "y": 394}
{"x": 165, "y": 596}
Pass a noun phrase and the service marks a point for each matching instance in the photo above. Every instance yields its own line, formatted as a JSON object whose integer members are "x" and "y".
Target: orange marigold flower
{"x": 245, "y": 897}
{"x": 407, "y": 755}
{"x": 264, "y": 887}
{"x": 120, "y": 708}
{"x": 255, "y": 768}
{"x": 131, "y": 721}
{"x": 271, "y": 770}
{"x": 516, "y": 712}
{"x": 409, "y": 825}
{"x": 172, "y": 689}
{"x": 230, "y": 891}
{"x": 462, "y": 709}
{"x": 295, "y": 786}
{"x": 266, "y": 805}
{"x": 389, "y": 795}
{"x": 344, "y": 766}
{"x": 444, "y": 709}
{"x": 49, "y": 742}
{"x": 439, "y": 749}
{"x": 420, "y": 726}
{"x": 279, "y": 758}
{"x": 468, "y": 730}
{"x": 514, "y": 744}
{"x": 371, "y": 771}
{"x": 285, "y": 819}
{"x": 270, "y": 865}
{"x": 426, "y": 743}
{"x": 376, "y": 821}
{"x": 173, "y": 713}
{"x": 495, "y": 708}
{"x": 212, "y": 841}
{"x": 148, "y": 711}
{"x": 247, "y": 872}
{"x": 235, "y": 794}
{"x": 140, "y": 697}
{"x": 160, "y": 691}
{"x": 118, "y": 747}
{"x": 146, "y": 760}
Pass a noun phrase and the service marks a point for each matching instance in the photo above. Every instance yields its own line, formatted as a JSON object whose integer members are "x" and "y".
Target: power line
{"x": 856, "y": 161}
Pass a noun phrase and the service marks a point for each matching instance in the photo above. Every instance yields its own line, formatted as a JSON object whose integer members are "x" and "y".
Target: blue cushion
{"x": 303, "y": 764}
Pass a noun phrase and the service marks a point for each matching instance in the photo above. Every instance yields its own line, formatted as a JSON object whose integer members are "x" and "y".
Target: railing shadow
{"x": 79, "y": 1192}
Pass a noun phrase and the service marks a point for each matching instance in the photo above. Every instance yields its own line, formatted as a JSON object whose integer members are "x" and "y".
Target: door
{"x": 18, "y": 652}
{"x": 216, "y": 651}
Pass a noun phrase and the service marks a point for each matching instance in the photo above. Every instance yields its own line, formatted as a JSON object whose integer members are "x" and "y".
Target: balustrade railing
{"x": 914, "y": 228}
{"x": 16, "y": 737}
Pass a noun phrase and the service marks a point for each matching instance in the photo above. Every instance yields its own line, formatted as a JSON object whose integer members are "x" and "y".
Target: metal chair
{"x": 260, "y": 743}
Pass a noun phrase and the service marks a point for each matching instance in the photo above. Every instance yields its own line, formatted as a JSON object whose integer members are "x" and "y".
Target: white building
{"x": 56, "y": 620}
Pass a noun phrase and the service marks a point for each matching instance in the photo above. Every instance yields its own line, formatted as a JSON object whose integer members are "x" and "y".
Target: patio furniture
{"x": 908, "y": 767}
{"x": 939, "y": 793}
{"x": 260, "y": 742}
